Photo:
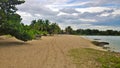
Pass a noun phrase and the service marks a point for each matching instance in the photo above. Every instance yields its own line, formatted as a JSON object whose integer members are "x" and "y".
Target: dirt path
{"x": 50, "y": 52}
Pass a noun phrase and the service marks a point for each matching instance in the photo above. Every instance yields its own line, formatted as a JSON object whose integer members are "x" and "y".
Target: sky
{"x": 79, "y": 14}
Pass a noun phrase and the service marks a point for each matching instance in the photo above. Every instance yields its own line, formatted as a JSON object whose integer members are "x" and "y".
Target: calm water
{"x": 113, "y": 40}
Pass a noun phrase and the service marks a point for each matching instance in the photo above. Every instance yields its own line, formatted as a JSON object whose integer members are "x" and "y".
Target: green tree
{"x": 45, "y": 26}
{"x": 10, "y": 20}
{"x": 69, "y": 30}
{"x": 54, "y": 29}
{"x": 7, "y": 8}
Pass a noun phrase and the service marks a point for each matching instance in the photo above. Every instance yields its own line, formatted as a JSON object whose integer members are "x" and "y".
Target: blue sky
{"x": 93, "y": 14}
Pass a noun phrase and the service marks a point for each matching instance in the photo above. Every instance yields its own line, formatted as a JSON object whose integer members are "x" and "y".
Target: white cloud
{"x": 69, "y": 10}
{"x": 24, "y": 14}
{"x": 38, "y": 15}
{"x": 26, "y": 17}
{"x": 104, "y": 27}
{"x": 92, "y": 9}
{"x": 70, "y": 5}
{"x": 51, "y": 7}
{"x": 88, "y": 20}
{"x": 104, "y": 14}
{"x": 56, "y": 1}
{"x": 87, "y": 26}
{"x": 84, "y": 14}
{"x": 116, "y": 12}
{"x": 62, "y": 13}
{"x": 75, "y": 14}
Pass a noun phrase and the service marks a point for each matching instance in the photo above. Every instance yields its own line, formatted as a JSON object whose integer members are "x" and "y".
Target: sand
{"x": 48, "y": 52}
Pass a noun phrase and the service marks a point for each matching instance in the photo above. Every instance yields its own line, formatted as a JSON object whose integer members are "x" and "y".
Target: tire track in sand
{"x": 47, "y": 53}
{"x": 56, "y": 58}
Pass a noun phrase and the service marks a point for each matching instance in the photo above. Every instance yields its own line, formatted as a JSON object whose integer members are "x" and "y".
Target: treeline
{"x": 10, "y": 23}
{"x": 44, "y": 27}
{"x": 69, "y": 30}
{"x": 96, "y": 32}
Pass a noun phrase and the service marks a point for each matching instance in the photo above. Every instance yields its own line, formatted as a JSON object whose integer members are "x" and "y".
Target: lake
{"x": 113, "y": 40}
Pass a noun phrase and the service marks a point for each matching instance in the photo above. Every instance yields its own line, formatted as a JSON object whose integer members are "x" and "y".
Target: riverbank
{"x": 48, "y": 52}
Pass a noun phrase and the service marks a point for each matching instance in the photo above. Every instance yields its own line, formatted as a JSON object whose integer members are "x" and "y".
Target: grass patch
{"x": 90, "y": 58}
{"x": 8, "y": 36}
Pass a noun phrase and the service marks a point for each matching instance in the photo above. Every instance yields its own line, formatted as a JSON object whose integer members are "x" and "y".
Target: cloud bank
{"x": 94, "y": 14}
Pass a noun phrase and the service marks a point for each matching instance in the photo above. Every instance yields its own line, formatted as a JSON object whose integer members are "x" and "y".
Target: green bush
{"x": 25, "y": 35}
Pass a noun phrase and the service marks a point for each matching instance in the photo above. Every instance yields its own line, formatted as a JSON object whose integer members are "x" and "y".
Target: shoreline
{"x": 109, "y": 43}
{"x": 90, "y": 44}
{"x": 94, "y": 46}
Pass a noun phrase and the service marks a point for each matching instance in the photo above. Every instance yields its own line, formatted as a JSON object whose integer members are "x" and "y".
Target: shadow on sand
{"x": 12, "y": 43}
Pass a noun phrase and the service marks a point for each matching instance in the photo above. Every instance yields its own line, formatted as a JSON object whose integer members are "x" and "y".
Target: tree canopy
{"x": 45, "y": 26}
{"x": 69, "y": 30}
{"x": 94, "y": 32}
{"x": 10, "y": 21}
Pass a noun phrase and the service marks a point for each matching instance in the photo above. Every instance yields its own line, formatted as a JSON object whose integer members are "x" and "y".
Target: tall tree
{"x": 54, "y": 29}
{"x": 10, "y": 20}
{"x": 7, "y": 13}
{"x": 8, "y": 8}
{"x": 69, "y": 30}
{"x": 45, "y": 26}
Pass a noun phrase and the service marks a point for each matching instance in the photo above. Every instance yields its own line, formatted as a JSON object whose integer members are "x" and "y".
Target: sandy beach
{"x": 48, "y": 52}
